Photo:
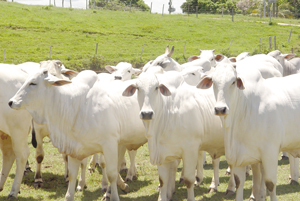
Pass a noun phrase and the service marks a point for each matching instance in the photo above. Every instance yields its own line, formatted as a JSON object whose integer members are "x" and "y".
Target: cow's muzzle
{"x": 220, "y": 111}
{"x": 146, "y": 115}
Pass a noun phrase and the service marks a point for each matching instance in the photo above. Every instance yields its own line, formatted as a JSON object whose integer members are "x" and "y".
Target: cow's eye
{"x": 233, "y": 83}
{"x": 193, "y": 73}
{"x": 129, "y": 71}
{"x": 156, "y": 88}
{"x": 32, "y": 83}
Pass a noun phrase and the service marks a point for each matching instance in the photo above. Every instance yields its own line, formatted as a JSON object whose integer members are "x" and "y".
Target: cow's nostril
{"x": 147, "y": 115}
{"x": 220, "y": 110}
{"x": 10, "y": 103}
{"x": 118, "y": 78}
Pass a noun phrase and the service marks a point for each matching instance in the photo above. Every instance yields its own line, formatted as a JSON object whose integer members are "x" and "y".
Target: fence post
{"x": 197, "y": 11}
{"x": 232, "y": 14}
{"x": 275, "y": 43}
{"x": 62, "y": 3}
{"x": 142, "y": 51}
{"x": 70, "y": 3}
{"x": 54, "y": 4}
{"x": 230, "y": 44}
{"x": 96, "y": 49}
{"x": 290, "y": 36}
{"x": 162, "y": 12}
{"x": 49, "y": 2}
{"x": 184, "y": 49}
{"x": 259, "y": 45}
{"x": 4, "y": 56}
{"x": 50, "y": 54}
{"x": 188, "y": 9}
{"x": 86, "y": 4}
{"x": 270, "y": 42}
{"x": 130, "y": 7}
{"x": 151, "y": 7}
{"x": 292, "y": 50}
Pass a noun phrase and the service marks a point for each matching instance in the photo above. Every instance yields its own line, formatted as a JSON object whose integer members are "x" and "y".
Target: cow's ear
{"x": 239, "y": 83}
{"x": 69, "y": 73}
{"x": 232, "y": 59}
{"x": 60, "y": 82}
{"x": 110, "y": 69}
{"x": 130, "y": 90}
{"x": 164, "y": 90}
{"x": 288, "y": 56}
{"x": 205, "y": 82}
{"x": 192, "y": 58}
{"x": 219, "y": 57}
{"x": 137, "y": 71}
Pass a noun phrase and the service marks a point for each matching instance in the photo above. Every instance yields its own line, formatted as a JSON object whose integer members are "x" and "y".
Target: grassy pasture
{"x": 27, "y": 32}
{"x": 144, "y": 189}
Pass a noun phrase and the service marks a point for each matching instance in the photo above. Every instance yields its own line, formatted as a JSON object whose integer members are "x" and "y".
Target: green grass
{"x": 27, "y": 32}
{"x": 144, "y": 189}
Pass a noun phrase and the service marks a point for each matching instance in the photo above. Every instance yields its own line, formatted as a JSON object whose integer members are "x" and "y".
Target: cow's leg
{"x": 294, "y": 169}
{"x": 181, "y": 180}
{"x": 215, "y": 180}
{"x": 21, "y": 150}
{"x": 172, "y": 178}
{"x": 163, "y": 172}
{"x": 120, "y": 182}
{"x": 270, "y": 163}
{"x": 104, "y": 181}
{"x": 81, "y": 181}
{"x": 66, "y": 175}
{"x": 39, "y": 156}
{"x": 111, "y": 159}
{"x": 8, "y": 157}
{"x": 73, "y": 166}
{"x": 231, "y": 186}
{"x": 94, "y": 162}
{"x": 123, "y": 165}
{"x": 131, "y": 174}
{"x": 200, "y": 162}
{"x": 190, "y": 164}
{"x": 248, "y": 168}
{"x": 239, "y": 178}
{"x": 257, "y": 181}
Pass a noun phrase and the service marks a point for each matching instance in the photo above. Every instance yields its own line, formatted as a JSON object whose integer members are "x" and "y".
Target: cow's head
{"x": 208, "y": 55}
{"x": 192, "y": 74}
{"x": 33, "y": 93}
{"x": 56, "y": 68}
{"x": 123, "y": 71}
{"x": 165, "y": 61}
{"x": 225, "y": 82}
{"x": 151, "y": 90}
{"x": 281, "y": 57}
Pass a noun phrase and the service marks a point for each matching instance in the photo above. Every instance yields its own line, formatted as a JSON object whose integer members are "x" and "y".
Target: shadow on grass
{"x": 19, "y": 198}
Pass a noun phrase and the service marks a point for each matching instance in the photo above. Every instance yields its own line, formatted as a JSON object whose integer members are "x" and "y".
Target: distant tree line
{"x": 118, "y": 4}
{"x": 286, "y": 8}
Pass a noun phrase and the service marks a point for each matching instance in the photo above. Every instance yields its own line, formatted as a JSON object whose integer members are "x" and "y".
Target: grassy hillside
{"x": 27, "y": 32}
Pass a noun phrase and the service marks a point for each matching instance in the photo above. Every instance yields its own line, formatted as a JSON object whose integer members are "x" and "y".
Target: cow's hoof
{"x": 212, "y": 190}
{"x": 97, "y": 165}
{"x": 293, "y": 182}
{"x": 247, "y": 174}
{"x": 252, "y": 199}
{"x": 12, "y": 197}
{"x": 126, "y": 189}
{"x": 91, "y": 170}
{"x": 103, "y": 190}
{"x": 181, "y": 180}
{"x": 38, "y": 184}
{"x": 284, "y": 158}
{"x": 229, "y": 192}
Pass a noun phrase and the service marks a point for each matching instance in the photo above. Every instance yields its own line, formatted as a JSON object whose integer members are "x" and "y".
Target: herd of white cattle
{"x": 251, "y": 114}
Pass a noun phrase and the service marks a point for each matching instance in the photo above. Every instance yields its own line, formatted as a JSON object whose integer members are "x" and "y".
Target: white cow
{"x": 122, "y": 71}
{"x": 14, "y": 127}
{"x": 179, "y": 124}
{"x": 289, "y": 66}
{"x": 260, "y": 118}
{"x": 89, "y": 119}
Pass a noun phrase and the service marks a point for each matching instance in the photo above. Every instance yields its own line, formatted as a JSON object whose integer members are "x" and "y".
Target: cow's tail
{"x": 33, "y": 139}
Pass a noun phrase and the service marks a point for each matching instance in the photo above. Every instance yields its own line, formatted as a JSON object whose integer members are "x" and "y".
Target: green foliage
{"x": 120, "y": 4}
